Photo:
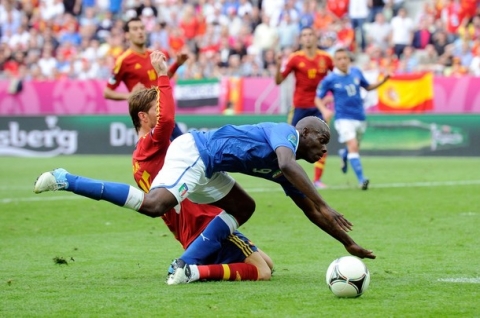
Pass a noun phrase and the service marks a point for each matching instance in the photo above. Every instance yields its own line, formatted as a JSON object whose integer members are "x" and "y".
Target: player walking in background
{"x": 133, "y": 67}
{"x": 309, "y": 66}
{"x": 350, "y": 120}
{"x": 152, "y": 112}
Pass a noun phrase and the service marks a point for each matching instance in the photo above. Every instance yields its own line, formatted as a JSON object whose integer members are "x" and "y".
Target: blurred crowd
{"x": 80, "y": 39}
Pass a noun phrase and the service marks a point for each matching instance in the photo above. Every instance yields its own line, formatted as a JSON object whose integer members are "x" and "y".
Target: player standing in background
{"x": 133, "y": 67}
{"x": 350, "y": 120}
{"x": 309, "y": 66}
{"x": 153, "y": 113}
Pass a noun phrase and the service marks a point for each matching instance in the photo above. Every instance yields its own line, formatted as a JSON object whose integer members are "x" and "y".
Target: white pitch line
{"x": 388, "y": 185}
{"x": 276, "y": 189}
{"x": 475, "y": 280}
{"x": 43, "y": 198}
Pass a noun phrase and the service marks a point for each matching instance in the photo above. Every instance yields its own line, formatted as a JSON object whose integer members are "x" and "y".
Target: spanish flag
{"x": 407, "y": 93}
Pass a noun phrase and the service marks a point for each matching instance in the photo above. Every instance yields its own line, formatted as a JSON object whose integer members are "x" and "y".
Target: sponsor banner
{"x": 197, "y": 93}
{"x": 257, "y": 96}
{"x": 407, "y": 93}
{"x": 420, "y": 135}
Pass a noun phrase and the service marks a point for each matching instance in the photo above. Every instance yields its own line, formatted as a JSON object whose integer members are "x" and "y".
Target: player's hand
{"x": 279, "y": 59}
{"x": 159, "y": 63}
{"x": 336, "y": 219}
{"x": 359, "y": 251}
{"x": 182, "y": 58}
{"x": 137, "y": 87}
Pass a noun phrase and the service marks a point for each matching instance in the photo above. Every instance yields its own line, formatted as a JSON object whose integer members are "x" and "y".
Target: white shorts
{"x": 349, "y": 129}
{"x": 183, "y": 174}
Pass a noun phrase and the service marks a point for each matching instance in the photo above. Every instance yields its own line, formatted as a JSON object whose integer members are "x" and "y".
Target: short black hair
{"x": 126, "y": 27}
{"x": 340, "y": 50}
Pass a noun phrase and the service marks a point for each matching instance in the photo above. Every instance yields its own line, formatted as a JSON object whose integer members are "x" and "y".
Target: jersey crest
{"x": 138, "y": 66}
{"x": 292, "y": 138}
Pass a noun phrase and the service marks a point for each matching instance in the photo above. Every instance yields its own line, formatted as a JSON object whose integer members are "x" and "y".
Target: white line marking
{"x": 33, "y": 199}
{"x": 475, "y": 280}
{"x": 469, "y": 214}
{"x": 270, "y": 189}
{"x": 388, "y": 185}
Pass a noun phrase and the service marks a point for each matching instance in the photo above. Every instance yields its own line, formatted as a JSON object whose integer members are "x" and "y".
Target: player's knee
{"x": 264, "y": 273}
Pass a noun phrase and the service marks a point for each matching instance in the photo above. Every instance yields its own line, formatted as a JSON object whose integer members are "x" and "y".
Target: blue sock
{"x": 116, "y": 193}
{"x": 345, "y": 154}
{"x": 210, "y": 240}
{"x": 354, "y": 159}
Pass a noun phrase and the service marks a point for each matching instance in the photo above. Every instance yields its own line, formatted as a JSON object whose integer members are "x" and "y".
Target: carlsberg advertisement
{"x": 386, "y": 135}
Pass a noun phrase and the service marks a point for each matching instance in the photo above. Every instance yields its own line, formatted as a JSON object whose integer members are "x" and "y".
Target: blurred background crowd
{"x": 80, "y": 39}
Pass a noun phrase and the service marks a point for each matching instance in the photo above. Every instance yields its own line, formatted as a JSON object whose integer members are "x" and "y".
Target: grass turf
{"x": 420, "y": 217}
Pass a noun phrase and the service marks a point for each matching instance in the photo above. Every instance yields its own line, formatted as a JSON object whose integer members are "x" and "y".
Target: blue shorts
{"x": 300, "y": 113}
{"x": 235, "y": 249}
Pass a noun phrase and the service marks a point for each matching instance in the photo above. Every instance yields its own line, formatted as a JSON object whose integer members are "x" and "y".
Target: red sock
{"x": 235, "y": 271}
{"x": 318, "y": 168}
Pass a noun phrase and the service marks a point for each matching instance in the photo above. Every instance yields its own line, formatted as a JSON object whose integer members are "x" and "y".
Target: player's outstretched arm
{"x": 299, "y": 179}
{"x": 181, "y": 58}
{"x": 331, "y": 228}
{"x": 376, "y": 85}
{"x": 109, "y": 93}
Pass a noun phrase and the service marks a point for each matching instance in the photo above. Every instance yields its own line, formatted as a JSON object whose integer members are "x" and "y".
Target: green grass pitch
{"x": 421, "y": 217}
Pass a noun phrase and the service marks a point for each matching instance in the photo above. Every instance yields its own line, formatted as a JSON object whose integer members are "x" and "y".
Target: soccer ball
{"x": 348, "y": 277}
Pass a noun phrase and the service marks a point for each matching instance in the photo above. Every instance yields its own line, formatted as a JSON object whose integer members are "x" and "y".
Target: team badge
{"x": 292, "y": 138}
{"x": 321, "y": 66}
{"x": 138, "y": 66}
{"x": 356, "y": 81}
{"x": 301, "y": 64}
{"x": 183, "y": 190}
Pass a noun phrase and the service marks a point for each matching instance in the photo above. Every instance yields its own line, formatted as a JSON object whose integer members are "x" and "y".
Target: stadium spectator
{"x": 358, "y": 13}
{"x": 402, "y": 32}
{"x": 29, "y": 25}
{"x": 378, "y": 33}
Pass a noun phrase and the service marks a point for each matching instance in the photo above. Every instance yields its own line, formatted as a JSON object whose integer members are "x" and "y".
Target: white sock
{"x": 134, "y": 199}
{"x": 195, "y": 273}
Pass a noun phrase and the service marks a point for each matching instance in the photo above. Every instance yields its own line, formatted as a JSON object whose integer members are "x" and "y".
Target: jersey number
{"x": 351, "y": 89}
{"x": 144, "y": 182}
{"x": 152, "y": 75}
{"x": 312, "y": 73}
{"x": 262, "y": 171}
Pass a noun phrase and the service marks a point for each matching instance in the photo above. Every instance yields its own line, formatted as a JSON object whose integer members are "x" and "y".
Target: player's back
{"x": 246, "y": 149}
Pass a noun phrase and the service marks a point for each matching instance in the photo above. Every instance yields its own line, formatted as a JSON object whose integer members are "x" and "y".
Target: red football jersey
{"x": 133, "y": 68}
{"x": 188, "y": 221}
{"x": 308, "y": 74}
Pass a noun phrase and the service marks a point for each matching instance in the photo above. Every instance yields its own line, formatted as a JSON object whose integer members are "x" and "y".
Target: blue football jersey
{"x": 248, "y": 149}
{"x": 346, "y": 93}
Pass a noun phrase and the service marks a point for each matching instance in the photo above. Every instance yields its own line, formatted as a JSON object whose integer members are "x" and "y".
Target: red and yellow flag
{"x": 407, "y": 93}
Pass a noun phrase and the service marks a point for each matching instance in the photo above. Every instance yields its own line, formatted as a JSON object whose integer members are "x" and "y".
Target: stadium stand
{"x": 80, "y": 39}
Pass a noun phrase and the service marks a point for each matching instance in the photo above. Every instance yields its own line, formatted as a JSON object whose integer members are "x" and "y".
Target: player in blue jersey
{"x": 194, "y": 168}
{"x": 350, "y": 120}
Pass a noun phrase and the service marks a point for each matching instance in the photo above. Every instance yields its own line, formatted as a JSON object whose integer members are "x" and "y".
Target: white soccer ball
{"x": 348, "y": 277}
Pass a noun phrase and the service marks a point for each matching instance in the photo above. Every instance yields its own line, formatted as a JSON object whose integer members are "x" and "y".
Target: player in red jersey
{"x": 152, "y": 112}
{"x": 133, "y": 67}
{"x": 309, "y": 66}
